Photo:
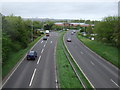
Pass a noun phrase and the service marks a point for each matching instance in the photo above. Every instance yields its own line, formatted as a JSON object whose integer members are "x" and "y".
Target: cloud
{"x": 89, "y": 10}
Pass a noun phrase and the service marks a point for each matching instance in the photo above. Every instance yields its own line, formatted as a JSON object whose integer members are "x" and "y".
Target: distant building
{"x": 59, "y": 24}
{"x": 74, "y": 24}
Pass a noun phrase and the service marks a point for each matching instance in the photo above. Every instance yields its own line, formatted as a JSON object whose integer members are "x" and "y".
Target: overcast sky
{"x": 62, "y": 9}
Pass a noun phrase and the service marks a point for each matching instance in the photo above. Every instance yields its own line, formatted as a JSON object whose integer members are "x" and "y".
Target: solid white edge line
{"x": 99, "y": 56}
{"x": 17, "y": 65}
{"x": 38, "y": 60}
{"x": 32, "y": 77}
{"x": 115, "y": 83}
{"x": 44, "y": 45}
{"x": 77, "y": 64}
{"x": 56, "y": 80}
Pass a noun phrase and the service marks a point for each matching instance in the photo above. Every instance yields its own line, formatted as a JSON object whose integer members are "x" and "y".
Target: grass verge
{"x": 15, "y": 57}
{"x": 106, "y": 51}
{"x": 84, "y": 80}
{"x": 67, "y": 77}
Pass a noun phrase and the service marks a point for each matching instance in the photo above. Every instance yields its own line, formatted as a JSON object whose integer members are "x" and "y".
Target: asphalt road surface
{"x": 99, "y": 72}
{"x": 39, "y": 73}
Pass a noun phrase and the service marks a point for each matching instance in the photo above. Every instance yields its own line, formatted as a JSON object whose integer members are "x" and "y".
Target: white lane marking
{"x": 81, "y": 52}
{"x": 17, "y": 65}
{"x": 38, "y": 60}
{"x": 100, "y": 56}
{"x": 92, "y": 63}
{"x": 44, "y": 45}
{"x": 114, "y": 83}
{"x": 41, "y": 41}
{"x": 77, "y": 63}
{"x": 57, "y": 84}
{"x": 42, "y": 50}
{"x": 32, "y": 77}
{"x": 51, "y": 42}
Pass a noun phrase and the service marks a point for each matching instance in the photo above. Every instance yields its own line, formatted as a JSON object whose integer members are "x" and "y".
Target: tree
{"x": 88, "y": 22}
{"x": 108, "y": 30}
{"x": 89, "y": 29}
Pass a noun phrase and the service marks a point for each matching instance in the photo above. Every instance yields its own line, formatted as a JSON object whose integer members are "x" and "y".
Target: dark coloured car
{"x": 32, "y": 55}
{"x": 69, "y": 40}
{"x": 44, "y": 38}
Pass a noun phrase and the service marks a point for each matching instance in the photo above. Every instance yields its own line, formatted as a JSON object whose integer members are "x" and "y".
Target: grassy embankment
{"x": 15, "y": 57}
{"x": 78, "y": 70}
{"x": 106, "y": 51}
{"x": 67, "y": 77}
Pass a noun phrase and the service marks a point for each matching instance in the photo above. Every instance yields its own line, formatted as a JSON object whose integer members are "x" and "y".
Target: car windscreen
{"x": 31, "y": 53}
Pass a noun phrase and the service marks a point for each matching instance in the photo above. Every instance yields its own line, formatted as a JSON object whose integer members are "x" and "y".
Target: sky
{"x": 61, "y": 9}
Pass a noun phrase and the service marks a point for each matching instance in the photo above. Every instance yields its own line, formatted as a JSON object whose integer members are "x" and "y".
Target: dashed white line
{"x": 42, "y": 50}
{"x": 41, "y": 41}
{"x": 92, "y": 63}
{"x": 51, "y": 42}
{"x": 44, "y": 45}
{"x": 32, "y": 77}
{"x": 38, "y": 60}
{"x": 115, "y": 83}
{"x": 81, "y": 52}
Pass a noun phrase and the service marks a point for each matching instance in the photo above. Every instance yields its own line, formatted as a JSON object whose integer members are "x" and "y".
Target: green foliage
{"x": 37, "y": 24}
{"x": 6, "y": 43}
{"x": 89, "y": 30}
{"x": 108, "y": 30}
{"x": 105, "y": 50}
{"x": 88, "y": 22}
{"x": 65, "y": 70}
{"x": 48, "y": 25}
{"x": 16, "y": 35}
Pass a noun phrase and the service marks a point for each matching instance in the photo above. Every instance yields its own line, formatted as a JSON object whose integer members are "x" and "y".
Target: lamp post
{"x": 32, "y": 30}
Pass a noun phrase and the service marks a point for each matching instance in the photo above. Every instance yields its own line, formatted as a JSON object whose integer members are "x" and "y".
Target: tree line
{"x": 16, "y": 34}
{"x": 107, "y": 30}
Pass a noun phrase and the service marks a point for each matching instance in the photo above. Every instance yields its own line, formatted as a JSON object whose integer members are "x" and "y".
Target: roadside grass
{"x": 16, "y": 57}
{"x": 66, "y": 75}
{"x": 82, "y": 77}
{"x": 106, "y": 51}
